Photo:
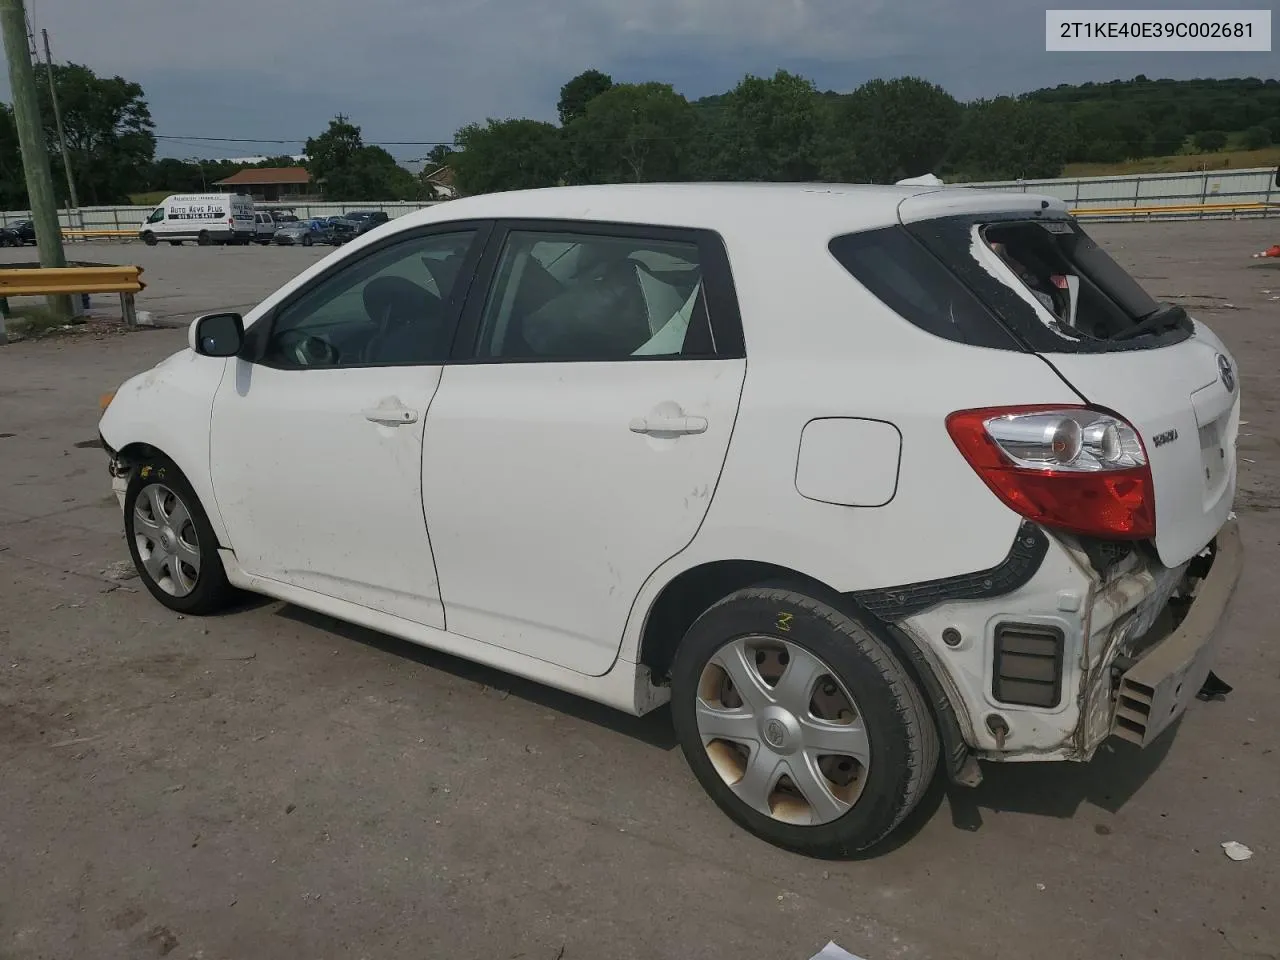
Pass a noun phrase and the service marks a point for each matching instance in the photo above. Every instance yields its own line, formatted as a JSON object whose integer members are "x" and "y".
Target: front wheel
{"x": 171, "y": 541}
{"x": 149, "y": 239}
{"x": 307, "y": 241}
{"x": 801, "y": 724}
{"x": 204, "y": 239}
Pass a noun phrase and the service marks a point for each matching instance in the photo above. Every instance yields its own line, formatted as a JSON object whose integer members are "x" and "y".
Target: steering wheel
{"x": 306, "y": 350}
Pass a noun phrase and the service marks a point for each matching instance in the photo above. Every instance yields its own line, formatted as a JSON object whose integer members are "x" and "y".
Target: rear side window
{"x": 912, "y": 282}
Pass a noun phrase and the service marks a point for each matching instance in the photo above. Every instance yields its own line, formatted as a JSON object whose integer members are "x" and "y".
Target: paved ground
{"x": 273, "y": 784}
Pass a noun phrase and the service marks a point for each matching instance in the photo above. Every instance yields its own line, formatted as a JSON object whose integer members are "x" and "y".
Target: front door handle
{"x": 391, "y": 416}
{"x": 669, "y": 426}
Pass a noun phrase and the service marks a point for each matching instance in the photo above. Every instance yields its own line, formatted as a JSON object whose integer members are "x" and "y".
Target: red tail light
{"x": 1071, "y": 468}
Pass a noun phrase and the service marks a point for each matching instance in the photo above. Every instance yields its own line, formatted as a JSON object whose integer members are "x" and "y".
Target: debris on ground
{"x": 120, "y": 570}
{"x": 1213, "y": 688}
{"x": 833, "y": 952}
{"x": 1236, "y": 851}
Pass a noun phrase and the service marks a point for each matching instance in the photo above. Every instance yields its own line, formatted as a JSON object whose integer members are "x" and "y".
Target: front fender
{"x": 169, "y": 408}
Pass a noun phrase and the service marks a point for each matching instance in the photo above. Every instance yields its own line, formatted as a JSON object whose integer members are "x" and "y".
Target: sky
{"x": 416, "y": 70}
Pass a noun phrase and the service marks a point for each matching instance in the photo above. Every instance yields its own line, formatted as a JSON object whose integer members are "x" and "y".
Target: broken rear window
{"x": 1051, "y": 285}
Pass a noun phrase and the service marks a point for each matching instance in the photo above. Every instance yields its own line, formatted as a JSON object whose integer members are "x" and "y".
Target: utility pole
{"x": 57, "y": 119}
{"x": 35, "y": 159}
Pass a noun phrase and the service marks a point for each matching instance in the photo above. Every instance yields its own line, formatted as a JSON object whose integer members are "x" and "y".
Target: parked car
{"x": 301, "y": 232}
{"x": 24, "y": 231}
{"x": 264, "y": 227}
{"x": 970, "y": 499}
{"x": 340, "y": 230}
{"x": 366, "y": 220}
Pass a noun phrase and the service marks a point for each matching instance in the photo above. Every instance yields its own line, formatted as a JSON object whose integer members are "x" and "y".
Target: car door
{"x": 316, "y": 439}
{"x": 576, "y": 444}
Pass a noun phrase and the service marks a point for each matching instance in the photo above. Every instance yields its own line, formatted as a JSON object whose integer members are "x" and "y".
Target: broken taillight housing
{"x": 1072, "y": 468}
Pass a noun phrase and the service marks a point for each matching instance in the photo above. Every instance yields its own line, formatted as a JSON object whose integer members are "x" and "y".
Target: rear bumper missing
{"x": 1155, "y": 690}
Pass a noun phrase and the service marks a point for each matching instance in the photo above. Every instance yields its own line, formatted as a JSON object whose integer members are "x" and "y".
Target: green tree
{"x": 890, "y": 129}
{"x": 580, "y": 91}
{"x": 765, "y": 128}
{"x": 1256, "y": 137}
{"x": 108, "y": 128}
{"x": 1210, "y": 141}
{"x": 348, "y": 169}
{"x": 1006, "y": 139}
{"x": 508, "y": 155}
{"x": 13, "y": 184}
{"x": 632, "y": 132}
{"x": 277, "y": 162}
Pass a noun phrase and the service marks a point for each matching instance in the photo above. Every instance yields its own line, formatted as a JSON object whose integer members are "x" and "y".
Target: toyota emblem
{"x": 775, "y": 734}
{"x": 1226, "y": 373}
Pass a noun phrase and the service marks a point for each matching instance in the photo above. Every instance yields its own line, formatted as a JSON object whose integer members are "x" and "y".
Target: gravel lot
{"x": 271, "y": 783}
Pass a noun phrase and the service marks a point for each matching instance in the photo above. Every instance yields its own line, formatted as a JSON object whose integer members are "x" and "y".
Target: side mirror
{"x": 216, "y": 334}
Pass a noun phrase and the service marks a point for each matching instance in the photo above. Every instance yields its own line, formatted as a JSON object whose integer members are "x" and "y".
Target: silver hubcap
{"x": 166, "y": 540}
{"x": 782, "y": 730}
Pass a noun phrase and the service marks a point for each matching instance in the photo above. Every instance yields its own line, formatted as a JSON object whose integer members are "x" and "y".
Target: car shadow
{"x": 1046, "y": 789}
{"x": 654, "y": 729}
{"x": 1108, "y": 781}
{"x": 1049, "y": 789}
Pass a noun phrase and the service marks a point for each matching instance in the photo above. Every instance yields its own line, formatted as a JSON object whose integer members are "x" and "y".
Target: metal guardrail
{"x": 104, "y": 234}
{"x": 1178, "y": 211}
{"x": 52, "y": 281}
{"x": 1186, "y": 195}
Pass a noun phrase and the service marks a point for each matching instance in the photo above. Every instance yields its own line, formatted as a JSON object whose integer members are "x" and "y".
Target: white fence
{"x": 1144, "y": 193}
{"x": 1147, "y": 192}
{"x": 131, "y": 217}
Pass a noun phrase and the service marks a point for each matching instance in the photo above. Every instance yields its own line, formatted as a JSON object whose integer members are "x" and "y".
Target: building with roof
{"x": 271, "y": 183}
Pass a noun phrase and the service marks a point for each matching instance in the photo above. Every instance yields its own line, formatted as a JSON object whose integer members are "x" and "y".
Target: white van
{"x": 206, "y": 218}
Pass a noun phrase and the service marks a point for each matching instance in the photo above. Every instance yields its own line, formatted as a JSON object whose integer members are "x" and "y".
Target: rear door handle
{"x": 674, "y": 426}
{"x": 391, "y": 416}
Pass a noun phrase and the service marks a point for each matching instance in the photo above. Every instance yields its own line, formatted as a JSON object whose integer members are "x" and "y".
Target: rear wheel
{"x": 204, "y": 239}
{"x": 171, "y": 541}
{"x": 800, "y": 723}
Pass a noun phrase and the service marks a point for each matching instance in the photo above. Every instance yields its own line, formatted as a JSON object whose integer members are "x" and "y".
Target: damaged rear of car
{"x": 1103, "y": 619}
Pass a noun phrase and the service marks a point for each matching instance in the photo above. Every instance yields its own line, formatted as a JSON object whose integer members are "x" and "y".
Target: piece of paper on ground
{"x": 832, "y": 952}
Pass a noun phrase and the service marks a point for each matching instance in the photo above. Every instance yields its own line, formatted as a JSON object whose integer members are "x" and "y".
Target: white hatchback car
{"x": 864, "y": 480}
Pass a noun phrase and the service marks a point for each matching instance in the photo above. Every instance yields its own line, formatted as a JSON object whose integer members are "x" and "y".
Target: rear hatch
{"x": 1058, "y": 294}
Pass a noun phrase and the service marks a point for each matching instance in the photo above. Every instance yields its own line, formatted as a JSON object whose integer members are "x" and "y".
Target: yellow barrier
{"x": 49, "y": 281}
{"x": 52, "y": 280}
{"x": 1250, "y": 207}
{"x": 72, "y": 233}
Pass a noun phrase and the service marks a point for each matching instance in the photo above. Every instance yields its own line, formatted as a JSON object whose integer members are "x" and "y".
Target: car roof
{"x": 727, "y": 207}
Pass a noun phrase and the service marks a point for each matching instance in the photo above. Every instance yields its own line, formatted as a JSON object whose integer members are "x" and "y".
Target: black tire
{"x": 307, "y": 241}
{"x": 904, "y": 747}
{"x": 203, "y": 239}
{"x": 211, "y": 592}
{"x": 149, "y": 238}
